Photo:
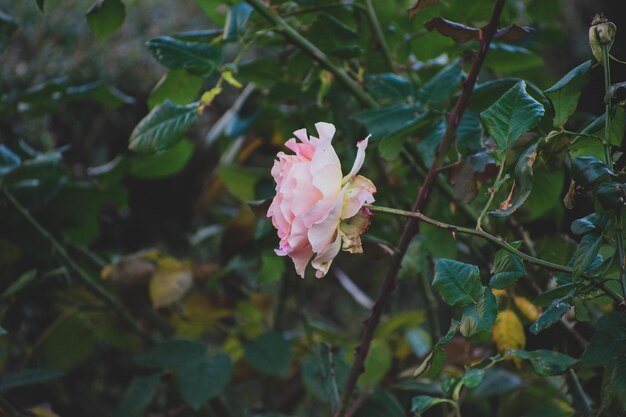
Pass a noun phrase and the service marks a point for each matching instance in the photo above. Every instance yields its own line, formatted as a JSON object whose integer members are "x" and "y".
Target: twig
{"x": 412, "y": 226}
{"x": 492, "y": 193}
{"x": 315, "y": 53}
{"x": 432, "y": 305}
{"x": 476, "y": 232}
{"x": 91, "y": 283}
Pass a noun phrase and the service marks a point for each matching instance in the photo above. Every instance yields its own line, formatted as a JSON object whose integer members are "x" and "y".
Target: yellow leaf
{"x": 208, "y": 96}
{"x": 39, "y": 411}
{"x": 508, "y": 332}
{"x": 228, "y": 77}
{"x": 528, "y": 309}
{"x": 198, "y": 316}
{"x": 170, "y": 282}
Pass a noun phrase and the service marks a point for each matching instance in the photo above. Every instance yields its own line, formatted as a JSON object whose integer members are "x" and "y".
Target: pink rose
{"x": 317, "y": 210}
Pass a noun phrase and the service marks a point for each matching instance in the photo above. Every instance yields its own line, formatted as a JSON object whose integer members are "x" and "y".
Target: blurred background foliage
{"x": 143, "y": 283}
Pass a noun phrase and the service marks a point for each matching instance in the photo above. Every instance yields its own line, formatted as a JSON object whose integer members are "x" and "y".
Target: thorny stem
{"x": 85, "y": 277}
{"x": 315, "y": 53}
{"x": 606, "y": 61}
{"x": 492, "y": 193}
{"x": 475, "y": 232}
{"x": 371, "y": 14}
{"x": 411, "y": 227}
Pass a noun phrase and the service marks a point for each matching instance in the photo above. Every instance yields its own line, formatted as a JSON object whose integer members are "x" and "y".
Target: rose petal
{"x": 359, "y": 191}
{"x": 326, "y": 131}
{"x": 324, "y": 259}
{"x": 301, "y": 258}
{"x": 358, "y": 161}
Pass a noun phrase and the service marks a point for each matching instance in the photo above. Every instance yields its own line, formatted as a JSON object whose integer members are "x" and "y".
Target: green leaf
{"x": 272, "y": 267}
{"x": 439, "y": 88}
{"x": 611, "y": 195}
{"x": 469, "y": 135}
{"x": 377, "y": 363}
{"x": 201, "y": 379}
{"x": 178, "y": 86}
{"x": 422, "y": 403}
{"x": 551, "y": 316}
{"x": 28, "y": 377}
{"x": 162, "y": 164}
{"x": 388, "y": 86}
{"x": 241, "y": 181}
{"x": 618, "y": 126}
{"x": 105, "y": 16}
{"x": 472, "y": 377}
{"x": 456, "y": 282}
{"x": 381, "y": 403}
{"x": 588, "y": 170}
{"x": 195, "y": 57}
{"x": 8, "y": 160}
{"x": 594, "y": 221}
{"x": 580, "y": 311}
{"x": 432, "y": 365}
{"x": 545, "y": 362}
{"x": 163, "y": 127}
{"x": 171, "y": 354}
{"x": 104, "y": 94}
{"x": 322, "y": 378}
{"x": 427, "y": 146}
{"x": 507, "y": 269}
{"x": 64, "y": 356}
{"x": 563, "y": 291}
{"x": 138, "y": 396}
{"x": 609, "y": 341}
{"x": 8, "y": 26}
{"x": 614, "y": 388}
{"x": 504, "y": 58}
{"x": 515, "y": 113}
{"x": 565, "y": 94}
{"x": 269, "y": 354}
{"x": 522, "y": 185}
{"x": 481, "y": 316}
{"x": 236, "y": 21}
{"x": 497, "y": 382}
{"x": 586, "y": 252}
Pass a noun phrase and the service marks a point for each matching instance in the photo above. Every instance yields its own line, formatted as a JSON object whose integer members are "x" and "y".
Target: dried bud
{"x": 601, "y": 33}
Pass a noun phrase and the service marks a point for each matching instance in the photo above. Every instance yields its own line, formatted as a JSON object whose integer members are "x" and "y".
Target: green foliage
{"x": 545, "y": 362}
{"x": 138, "y": 396}
{"x": 202, "y": 379}
{"x": 507, "y": 269}
{"x": 197, "y": 58}
{"x": 105, "y": 17}
{"x": 269, "y": 354}
{"x": 608, "y": 342}
{"x": 28, "y": 377}
{"x": 565, "y": 93}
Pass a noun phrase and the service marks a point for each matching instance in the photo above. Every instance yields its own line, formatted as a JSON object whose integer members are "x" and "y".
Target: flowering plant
{"x": 316, "y": 210}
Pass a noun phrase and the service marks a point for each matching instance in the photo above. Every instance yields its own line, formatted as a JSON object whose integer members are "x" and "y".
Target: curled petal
{"x": 326, "y": 131}
{"x": 321, "y": 234}
{"x": 301, "y": 258}
{"x": 359, "y": 191}
{"x": 351, "y": 230}
{"x": 358, "y": 161}
{"x": 324, "y": 259}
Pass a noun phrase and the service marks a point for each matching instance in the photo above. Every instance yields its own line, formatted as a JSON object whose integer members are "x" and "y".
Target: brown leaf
{"x": 513, "y": 33}
{"x": 420, "y": 5}
{"x": 460, "y": 33}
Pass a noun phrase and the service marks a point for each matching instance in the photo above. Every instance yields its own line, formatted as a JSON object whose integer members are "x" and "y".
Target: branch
{"x": 313, "y": 51}
{"x": 475, "y": 232}
{"x": 411, "y": 227}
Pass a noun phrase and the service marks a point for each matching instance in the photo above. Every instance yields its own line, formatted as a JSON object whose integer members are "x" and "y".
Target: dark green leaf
{"x": 469, "y": 135}
{"x": 381, "y": 403}
{"x": 545, "y": 298}
{"x": 507, "y": 269}
{"x": 322, "y": 378}
{"x": 422, "y": 403}
{"x": 611, "y": 195}
{"x": 565, "y": 94}
{"x": 171, "y": 354}
{"x": 427, "y": 146}
{"x": 8, "y": 160}
{"x": 614, "y": 388}
{"x": 65, "y": 356}
{"x": 618, "y": 125}
{"x": 513, "y": 114}
{"x": 545, "y": 362}
{"x": 272, "y": 267}
{"x": 236, "y": 21}
{"x": 608, "y": 342}
{"x": 99, "y": 92}
{"x": 138, "y": 396}
{"x": 178, "y": 86}
{"x": 28, "y": 377}
{"x": 201, "y": 379}
{"x": 439, "y": 88}
{"x": 553, "y": 149}
{"x": 40, "y": 4}
{"x": 551, "y": 316}
{"x": 163, "y": 127}
{"x": 594, "y": 221}
{"x": 8, "y": 26}
{"x": 587, "y": 170}
{"x": 507, "y": 59}
{"x": 497, "y": 382}
{"x": 522, "y": 186}
{"x": 195, "y": 57}
{"x": 388, "y": 86}
{"x": 269, "y": 354}
{"x": 457, "y": 283}
{"x": 581, "y": 312}
{"x": 162, "y": 164}
{"x": 105, "y": 16}
{"x": 586, "y": 252}
{"x": 481, "y": 316}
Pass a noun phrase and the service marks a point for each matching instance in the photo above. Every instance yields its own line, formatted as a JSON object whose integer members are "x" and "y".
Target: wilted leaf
{"x": 170, "y": 282}
{"x": 420, "y": 5}
{"x": 460, "y": 33}
{"x": 522, "y": 185}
